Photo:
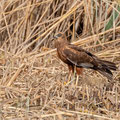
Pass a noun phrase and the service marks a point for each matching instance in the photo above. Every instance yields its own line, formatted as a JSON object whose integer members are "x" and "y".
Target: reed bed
{"x": 32, "y": 78}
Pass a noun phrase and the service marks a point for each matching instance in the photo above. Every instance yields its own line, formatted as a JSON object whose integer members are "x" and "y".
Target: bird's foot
{"x": 67, "y": 83}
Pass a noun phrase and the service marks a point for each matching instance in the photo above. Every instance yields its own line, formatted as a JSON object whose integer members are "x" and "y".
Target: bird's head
{"x": 60, "y": 39}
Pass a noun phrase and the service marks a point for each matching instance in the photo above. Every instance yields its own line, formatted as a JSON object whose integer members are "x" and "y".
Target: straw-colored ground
{"x": 32, "y": 78}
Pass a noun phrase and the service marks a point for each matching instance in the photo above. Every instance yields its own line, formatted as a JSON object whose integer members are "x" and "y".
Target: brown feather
{"x": 79, "y": 71}
{"x": 76, "y": 57}
{"x": 71, "y": 68}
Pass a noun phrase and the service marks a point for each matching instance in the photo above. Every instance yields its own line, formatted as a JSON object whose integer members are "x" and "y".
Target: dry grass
{"x": 32, "y": 78}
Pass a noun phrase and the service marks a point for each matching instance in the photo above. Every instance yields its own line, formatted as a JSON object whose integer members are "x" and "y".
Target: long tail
{"x": 105, "y": 68}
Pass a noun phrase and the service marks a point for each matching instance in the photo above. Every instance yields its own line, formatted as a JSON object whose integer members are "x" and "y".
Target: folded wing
{"x": 81, "y": 58}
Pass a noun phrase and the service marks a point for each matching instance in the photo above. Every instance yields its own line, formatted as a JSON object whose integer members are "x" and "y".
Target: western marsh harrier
{"x": 77, "y": 58}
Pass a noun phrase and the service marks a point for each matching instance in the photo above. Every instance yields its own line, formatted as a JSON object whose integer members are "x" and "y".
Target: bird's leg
{"x": 69, "y": 78}
{"x": 77, "y": 79}
{"x": 70, "y": 74}
{"x": 79, "y": 71}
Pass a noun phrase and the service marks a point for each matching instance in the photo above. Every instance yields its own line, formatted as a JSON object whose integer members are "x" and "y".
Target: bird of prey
{"x": 77, "y": 58}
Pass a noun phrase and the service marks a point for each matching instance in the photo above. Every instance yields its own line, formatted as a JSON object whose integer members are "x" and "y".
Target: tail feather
{"x": 105, "y": 68}
{"x": 110, "y": 65}
{"x": 106, "y": 74}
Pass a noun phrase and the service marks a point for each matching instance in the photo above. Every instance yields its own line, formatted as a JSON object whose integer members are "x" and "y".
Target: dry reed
{"x": 32, "y": 78}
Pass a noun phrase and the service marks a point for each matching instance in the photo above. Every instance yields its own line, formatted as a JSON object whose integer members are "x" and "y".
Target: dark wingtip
{"x": 110, "y": 65}
{"x": 106, "y": 74}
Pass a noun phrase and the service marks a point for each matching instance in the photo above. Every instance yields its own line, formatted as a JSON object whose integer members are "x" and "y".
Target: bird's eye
{"x": 58, "y": 35}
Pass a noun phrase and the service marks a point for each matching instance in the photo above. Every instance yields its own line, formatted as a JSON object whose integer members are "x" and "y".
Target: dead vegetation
{"x": 32, "y": 78}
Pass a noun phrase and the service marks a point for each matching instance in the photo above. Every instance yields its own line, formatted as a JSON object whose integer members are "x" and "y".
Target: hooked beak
{"x": 55, "y": 37}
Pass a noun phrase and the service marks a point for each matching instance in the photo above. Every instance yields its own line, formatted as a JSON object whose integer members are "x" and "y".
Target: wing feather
{"x": 79, "y": 58}
{"x": 81, "y": 50}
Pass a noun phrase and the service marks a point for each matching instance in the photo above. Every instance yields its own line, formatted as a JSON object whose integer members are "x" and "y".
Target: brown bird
{"x": 77, "y": 58}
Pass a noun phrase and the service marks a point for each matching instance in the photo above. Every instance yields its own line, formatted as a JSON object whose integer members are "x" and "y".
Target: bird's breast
{"x": 62, "y": 57}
